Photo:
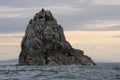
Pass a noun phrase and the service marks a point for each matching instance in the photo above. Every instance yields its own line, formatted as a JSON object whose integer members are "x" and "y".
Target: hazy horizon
{"x": 90, "y": 25}
{"x": 101, "y": 46}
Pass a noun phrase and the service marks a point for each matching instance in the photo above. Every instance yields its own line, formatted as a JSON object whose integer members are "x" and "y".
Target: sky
{"x": 91, "y": 25}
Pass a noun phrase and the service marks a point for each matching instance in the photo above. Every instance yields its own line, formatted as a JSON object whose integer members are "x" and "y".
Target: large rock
{"x": 44, "y": 43}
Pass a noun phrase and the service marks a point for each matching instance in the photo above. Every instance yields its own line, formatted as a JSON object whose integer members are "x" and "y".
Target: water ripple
{"x": 70, "y": 72}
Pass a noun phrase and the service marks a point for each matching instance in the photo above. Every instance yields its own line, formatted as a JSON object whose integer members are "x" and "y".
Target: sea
{"x": 102, "y": 71}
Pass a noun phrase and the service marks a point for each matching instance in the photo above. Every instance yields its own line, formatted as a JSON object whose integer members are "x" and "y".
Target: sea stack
{"x": 44, "y": 43}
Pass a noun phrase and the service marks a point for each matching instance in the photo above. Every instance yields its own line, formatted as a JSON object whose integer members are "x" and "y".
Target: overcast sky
{"x": 90, "y": 25}
{"x": 97, "y": 15}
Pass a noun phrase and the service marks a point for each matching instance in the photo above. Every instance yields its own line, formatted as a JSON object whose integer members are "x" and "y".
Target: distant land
{"x": 10, "y": 61}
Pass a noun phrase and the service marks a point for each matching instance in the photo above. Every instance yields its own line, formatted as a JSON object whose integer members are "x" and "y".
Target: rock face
{"x": 44, "y": 43}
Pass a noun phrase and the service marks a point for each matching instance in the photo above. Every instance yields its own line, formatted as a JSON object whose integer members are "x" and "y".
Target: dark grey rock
{"x": 44, "y": 43}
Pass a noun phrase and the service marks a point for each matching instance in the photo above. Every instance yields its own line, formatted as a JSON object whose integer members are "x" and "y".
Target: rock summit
{"x": 44, "y": 43}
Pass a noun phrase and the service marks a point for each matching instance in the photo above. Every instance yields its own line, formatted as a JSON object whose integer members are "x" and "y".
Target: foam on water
{"x": 108, "y": 71}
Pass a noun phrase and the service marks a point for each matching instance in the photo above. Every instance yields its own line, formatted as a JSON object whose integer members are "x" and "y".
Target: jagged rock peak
{"x": 44, "y": 15}
{"x": 44, "y": 43}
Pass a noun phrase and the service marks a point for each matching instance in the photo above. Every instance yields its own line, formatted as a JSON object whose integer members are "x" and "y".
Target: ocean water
{"x": 103, "y": 71}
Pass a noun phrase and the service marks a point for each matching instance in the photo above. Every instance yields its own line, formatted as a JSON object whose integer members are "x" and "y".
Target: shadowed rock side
{"x": 44, "y": 43}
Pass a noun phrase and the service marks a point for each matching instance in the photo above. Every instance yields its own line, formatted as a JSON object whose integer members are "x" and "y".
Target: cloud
{"x": 112, "y": 28}
{"x": 43, "y": 3}
{"x": 12, "y": 9}
{"x": 12, "y": 39}
{"x": 11, "y": 34}
{"x": 116, "y": 36}
{"x": 13, "y": 24}
{"x": 95, "y": 13}
{"x": 9, "y": 12}
{"x": 97, "y": 44}
{"x": 12, "y": 12}
{"x": 108, "y": 2}
{"x": 72, "y": 15}
{"x": 10, "y": 16}
{"x": 100, "y": 45}
{"x": 103, "y": 25}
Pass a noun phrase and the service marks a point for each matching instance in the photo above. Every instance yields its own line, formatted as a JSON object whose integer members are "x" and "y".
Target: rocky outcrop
{"x": 44, "y": 43}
